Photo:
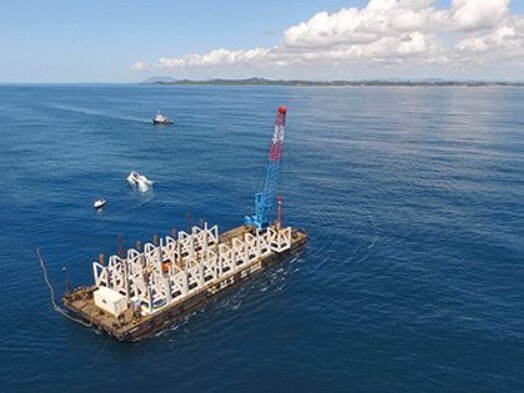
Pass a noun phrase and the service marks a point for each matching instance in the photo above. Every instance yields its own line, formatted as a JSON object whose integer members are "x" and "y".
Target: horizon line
{"x": 159, "y": 80}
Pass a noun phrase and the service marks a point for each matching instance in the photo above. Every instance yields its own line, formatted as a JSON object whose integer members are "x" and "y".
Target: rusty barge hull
{"x": 129, "y": 327}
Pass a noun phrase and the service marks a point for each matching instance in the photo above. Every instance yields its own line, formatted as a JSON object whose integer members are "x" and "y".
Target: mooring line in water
{"x": 56, "y": 307}
{"x": 91, "y": 367}
{"x": 100, "y": 352}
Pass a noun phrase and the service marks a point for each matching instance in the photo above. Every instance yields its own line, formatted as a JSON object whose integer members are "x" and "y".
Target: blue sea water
{"x": 413, "y": 279}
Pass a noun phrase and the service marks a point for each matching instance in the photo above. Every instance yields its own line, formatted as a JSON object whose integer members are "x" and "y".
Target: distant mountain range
{"x": 160, "y": 79}
{"x": 335, "y": 83}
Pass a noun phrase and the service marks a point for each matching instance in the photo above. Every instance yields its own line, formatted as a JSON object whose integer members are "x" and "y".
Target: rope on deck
{"x": 56, "y": 307}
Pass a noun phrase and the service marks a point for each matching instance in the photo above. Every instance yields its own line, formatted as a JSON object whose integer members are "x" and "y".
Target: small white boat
{"x": 136, "y": 179}
{"x": 99, "y": 203}
{"x": 161, "y": 119}
{"x": 132, "y": 178}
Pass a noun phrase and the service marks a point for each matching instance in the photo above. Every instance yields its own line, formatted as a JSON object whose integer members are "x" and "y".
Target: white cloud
{"x": 478, "y": 14}
{"x": 385, "y": 36}
{"x": 217, "y": 56}
{"x": 503, "y": 44}
{"x": 140, "y": 66}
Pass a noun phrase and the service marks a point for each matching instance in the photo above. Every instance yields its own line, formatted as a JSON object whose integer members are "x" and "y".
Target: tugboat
{"x": 161, "y": 119}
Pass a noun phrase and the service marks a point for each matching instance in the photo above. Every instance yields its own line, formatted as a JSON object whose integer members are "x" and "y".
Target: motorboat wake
{"x": 140, "y": 181}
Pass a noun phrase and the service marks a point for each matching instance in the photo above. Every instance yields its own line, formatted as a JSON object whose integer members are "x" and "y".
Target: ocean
{"x": 412, "y": 281}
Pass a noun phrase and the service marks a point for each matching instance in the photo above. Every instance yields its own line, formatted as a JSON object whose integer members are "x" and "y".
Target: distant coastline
{"x": 335, "y": 83}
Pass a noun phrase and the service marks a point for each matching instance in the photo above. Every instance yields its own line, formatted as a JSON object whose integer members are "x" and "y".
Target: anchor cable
{"x": 56, "y": 307}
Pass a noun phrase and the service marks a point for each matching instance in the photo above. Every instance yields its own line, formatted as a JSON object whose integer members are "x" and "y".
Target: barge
{"x": 149, "y": 290}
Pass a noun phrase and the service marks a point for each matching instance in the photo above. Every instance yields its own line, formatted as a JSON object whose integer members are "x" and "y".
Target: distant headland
{"x": 335, "y": 83}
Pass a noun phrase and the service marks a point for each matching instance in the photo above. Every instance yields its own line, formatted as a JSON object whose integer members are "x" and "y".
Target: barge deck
{"x": 164, "y": 282}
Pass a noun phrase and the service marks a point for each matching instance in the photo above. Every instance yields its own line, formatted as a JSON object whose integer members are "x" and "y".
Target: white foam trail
{"x": 143, "y": 187}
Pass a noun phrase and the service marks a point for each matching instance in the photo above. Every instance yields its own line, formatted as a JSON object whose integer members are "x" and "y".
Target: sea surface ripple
{"x": 413, "y": 279}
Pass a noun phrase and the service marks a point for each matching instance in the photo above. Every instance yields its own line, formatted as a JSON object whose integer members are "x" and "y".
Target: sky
{"x": 131, "y": 40}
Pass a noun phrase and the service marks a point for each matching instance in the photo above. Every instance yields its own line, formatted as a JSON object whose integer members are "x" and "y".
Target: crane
{"x": 264, "y": 199}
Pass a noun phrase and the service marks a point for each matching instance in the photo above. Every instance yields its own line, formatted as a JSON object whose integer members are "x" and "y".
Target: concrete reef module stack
{"x": 153, "y": 288}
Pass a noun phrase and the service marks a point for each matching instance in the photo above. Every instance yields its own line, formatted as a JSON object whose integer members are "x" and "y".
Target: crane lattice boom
{"x": 264, "y": 200}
